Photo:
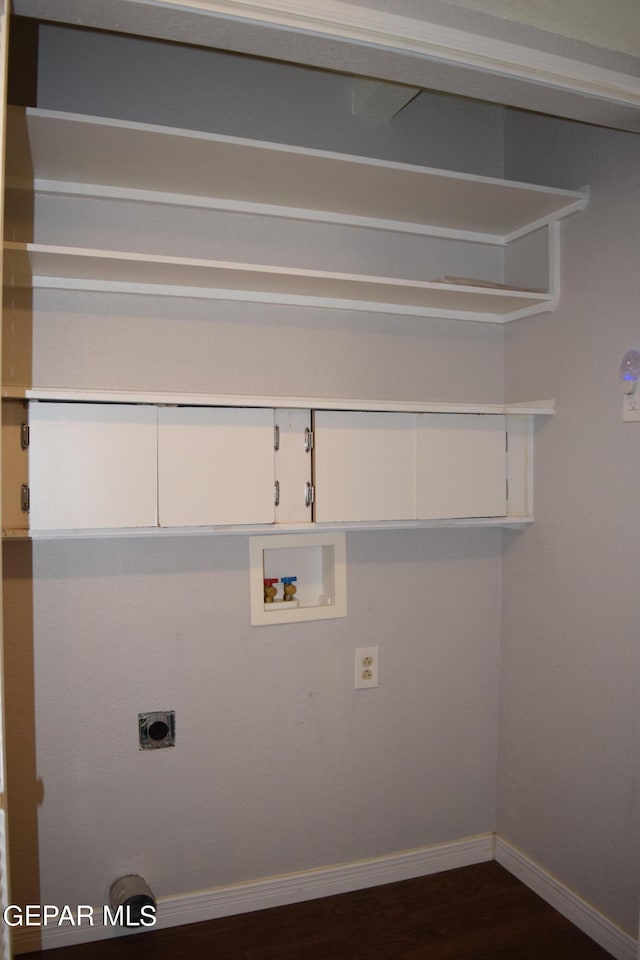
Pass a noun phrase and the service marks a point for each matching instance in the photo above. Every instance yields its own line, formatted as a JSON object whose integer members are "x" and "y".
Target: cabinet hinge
{"x": 24, "y": 435}
{"x": 309, "y": 494}
{"x": 276, "y": 437}
{"x": 276, "y": 493}
{"x": 308, "y": 440}
{"x": 25, "y": 498}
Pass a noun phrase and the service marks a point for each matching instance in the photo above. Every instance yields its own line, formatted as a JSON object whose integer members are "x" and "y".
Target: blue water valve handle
{"x": 289, "y": 590}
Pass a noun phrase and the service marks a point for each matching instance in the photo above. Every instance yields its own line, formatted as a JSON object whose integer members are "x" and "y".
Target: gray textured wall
{"x": 569, "y": 719}
{"x": 279, "y": 764}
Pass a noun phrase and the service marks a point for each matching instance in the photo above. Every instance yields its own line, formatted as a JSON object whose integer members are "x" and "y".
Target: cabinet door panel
{"x": 92, "y": 466}
{"x": 364, "y": 466}
{"x": 293, "y": 465}
{"x": 215, "y": 466}
{"x": 461, "y": 465}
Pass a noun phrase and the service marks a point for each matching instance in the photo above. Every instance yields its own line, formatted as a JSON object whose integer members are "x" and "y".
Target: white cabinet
{"x": 215, "y": 466}
{"x": 106, "y": 465}
{"x": 424, "y": 466}
{"x": 92, "y": 465}
{"x": 233, "y": 465}
{"x": 364, "y": 466}
{"x": 462, "y": 466}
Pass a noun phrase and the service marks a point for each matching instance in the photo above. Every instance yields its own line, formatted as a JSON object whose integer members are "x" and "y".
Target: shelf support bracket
{"x": 378, "y": 99}
{"x": 554, "y": 264}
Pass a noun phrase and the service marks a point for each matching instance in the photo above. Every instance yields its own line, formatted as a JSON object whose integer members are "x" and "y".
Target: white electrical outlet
{"x": 631, "y": 407}
{"x": 366, "y": 668}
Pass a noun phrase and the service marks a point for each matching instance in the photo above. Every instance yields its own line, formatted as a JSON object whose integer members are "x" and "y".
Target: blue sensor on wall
{"x": 630, "y": 371}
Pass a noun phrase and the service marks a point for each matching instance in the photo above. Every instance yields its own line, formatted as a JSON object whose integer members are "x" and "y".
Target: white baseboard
{"x": 327, "y": 881}
{"x": 272, "y": 892}
{"x": 619, "y": 944}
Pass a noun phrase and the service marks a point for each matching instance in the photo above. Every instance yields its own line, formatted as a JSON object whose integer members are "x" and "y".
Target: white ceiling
{"x": 614, "y": 24}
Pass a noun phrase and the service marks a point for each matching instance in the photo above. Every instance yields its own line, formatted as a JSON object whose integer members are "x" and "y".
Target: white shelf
{"x": 100, "y": 157}
{"x": 62, "y": 148}
{"x": 275, "y": 529}
{"x": 43, "y": 266}
{"x": 62, "y": 394}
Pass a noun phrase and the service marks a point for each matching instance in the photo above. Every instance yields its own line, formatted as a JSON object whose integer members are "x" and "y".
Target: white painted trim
{"x": 335, "y": 18}
{"x": 328, "y": 881}
{"x": 276, "y": 891}
{"x": 584, "y": 915}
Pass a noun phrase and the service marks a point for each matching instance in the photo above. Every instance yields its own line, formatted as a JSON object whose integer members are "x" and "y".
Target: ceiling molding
{"x": 365, "y": 25}
{"x": 527, "y": 69}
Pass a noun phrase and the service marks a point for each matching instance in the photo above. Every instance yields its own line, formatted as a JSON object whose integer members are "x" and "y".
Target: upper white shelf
{"x": 56, "y": 148}
{"x": 97, "y": 395}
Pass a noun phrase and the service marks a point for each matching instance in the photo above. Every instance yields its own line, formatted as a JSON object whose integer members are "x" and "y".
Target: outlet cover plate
{"x": 631, "y": 407}
{"x": 366, "y": 666}
{"x": 157, "y": 729}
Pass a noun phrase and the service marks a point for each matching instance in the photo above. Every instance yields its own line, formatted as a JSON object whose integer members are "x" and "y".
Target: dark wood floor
{"x": 473, "y": 913}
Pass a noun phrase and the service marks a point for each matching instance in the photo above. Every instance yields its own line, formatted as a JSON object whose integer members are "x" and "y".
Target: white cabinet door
{"x": 364, "y": 466}
{"x": 215, "y": 466}
{"x": 461, "y": 465}
{"x": 293, "y": 465}
{"x": 92, "y": 465}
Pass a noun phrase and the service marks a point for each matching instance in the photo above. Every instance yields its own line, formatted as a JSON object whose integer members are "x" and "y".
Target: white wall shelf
{"x": 512, "y": 523}
{"x": 66, "y": 394}
{"x": 41, "y": 266}
{"x": 74, "y": 149}
{"x": 88, "y": 157}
